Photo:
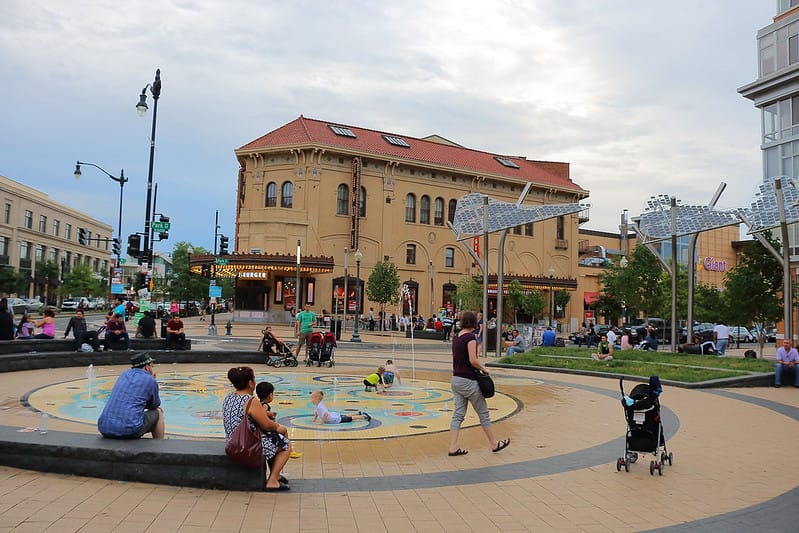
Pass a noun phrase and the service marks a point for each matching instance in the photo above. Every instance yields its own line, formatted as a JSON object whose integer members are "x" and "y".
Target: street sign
{"x": 122, "y": 260}
{"x": 222, "y": 261}
{"x": 160, "y": 226}
{"x": 215, "y": 291}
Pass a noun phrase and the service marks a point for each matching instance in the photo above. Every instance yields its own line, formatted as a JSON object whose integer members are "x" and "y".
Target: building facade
{"x": 330, "y": 189}
{"x": 35, "y": 230}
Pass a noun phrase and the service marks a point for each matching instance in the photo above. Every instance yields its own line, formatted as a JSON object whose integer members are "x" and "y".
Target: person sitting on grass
{"x": 324, "y": 416}
{"x": 604, "y": 350}
{"x": 548, "y": 337}
{"x": 375, "y": 380}
{"x": 515, "y": 345}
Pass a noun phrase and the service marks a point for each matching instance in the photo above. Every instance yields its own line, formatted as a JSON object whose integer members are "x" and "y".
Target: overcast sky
{"x": 639, "y": 97}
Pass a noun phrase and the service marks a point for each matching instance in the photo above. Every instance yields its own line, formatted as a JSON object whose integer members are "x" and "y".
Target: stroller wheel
{"x": 651, "y": 468}
{"x": 660, "y": 469}
{"x": 671, "y": 458}
{"x": 330, "y": 364}
{"x": 663, "y": 457}
{"x": 627, "y": 466}
{"x": 633, "y": 457}
{"x": 278, "y": 364}
{"x": 619, "y": 462}
{"x": 294, "y": 362}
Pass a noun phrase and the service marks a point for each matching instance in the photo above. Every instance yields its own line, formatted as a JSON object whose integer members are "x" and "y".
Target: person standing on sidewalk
{"x": 447, "y": 322}
{"x": 721, "y": 337}
{"x": 304, "y": 327}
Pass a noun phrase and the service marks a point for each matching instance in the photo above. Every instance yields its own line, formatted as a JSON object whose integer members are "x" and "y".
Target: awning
{"x": 590, "y": 297}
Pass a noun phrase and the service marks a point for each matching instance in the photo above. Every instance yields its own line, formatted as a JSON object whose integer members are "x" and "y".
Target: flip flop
{"x": 283, "y": 479}
{"x": 282, "y": 486}
{"x": 501, "y": 445}
{"x": 458, "y": 452}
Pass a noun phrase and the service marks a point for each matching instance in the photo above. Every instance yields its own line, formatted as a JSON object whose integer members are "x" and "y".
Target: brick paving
{"x": 558, "y": 474}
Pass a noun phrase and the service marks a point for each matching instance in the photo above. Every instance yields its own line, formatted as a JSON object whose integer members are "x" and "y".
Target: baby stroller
{"x": 644, "y": 426}
{"x": 321, "y": 349}
{"x": 283, "y": 354}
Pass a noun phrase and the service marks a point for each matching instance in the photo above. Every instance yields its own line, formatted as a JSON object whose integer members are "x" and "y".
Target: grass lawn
{"x": 667, "y": 365}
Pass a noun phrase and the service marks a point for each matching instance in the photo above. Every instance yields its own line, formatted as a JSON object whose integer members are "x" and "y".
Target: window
{"x": 528, "y": 229}
{"x": 287, "y": 194}
{"x": 271, "y": 194}
{"x": 517, "y": 230}
{"x": 39, "y": 253}
{"x": 410, "y": 254}
{"x": 439, "y": 212}
{"x": 362, "y": 203}
{"x": 341, "y": 131}
{"x": 88, "y": 238}
{"x": 28, "y": 219}
{"x": 449, "y": 257}
{"x": 42, "y": 223}
{"x": 453, "y": 205}
{"x": 342, "y": 199}
{"x": 424, "y": 210}
{"x": 53, "y": 255}
{"x": 410, "y": 208}
{"x": 56, "y": 228}
{"x": 396, "y": 141}
{"x": 7, "y": 215}
{"x": 560, "y": 230}
{"x": 778, "y": 49}
{"x": 4, "y": 241}
{"x": 505, "y": 162}
{"x": 24, "y": 250}
{"x": 780, "y": 120}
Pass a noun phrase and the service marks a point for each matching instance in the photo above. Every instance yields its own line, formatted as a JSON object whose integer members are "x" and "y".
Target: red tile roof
{"x": 303, "y": 131}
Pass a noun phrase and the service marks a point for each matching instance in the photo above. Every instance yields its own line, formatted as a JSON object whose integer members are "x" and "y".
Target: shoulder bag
{"x": 244, "y": 446}
{"x": 485, "y": 383}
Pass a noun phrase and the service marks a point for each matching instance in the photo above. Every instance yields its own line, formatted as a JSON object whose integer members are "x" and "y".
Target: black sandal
{"x": 458, "y": 452}
{"x": 501, "y": 445}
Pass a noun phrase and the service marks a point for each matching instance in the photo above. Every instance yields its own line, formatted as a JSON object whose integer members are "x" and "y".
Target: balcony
{"x": 561, "y": 244}
{"x": 583, "y": 216}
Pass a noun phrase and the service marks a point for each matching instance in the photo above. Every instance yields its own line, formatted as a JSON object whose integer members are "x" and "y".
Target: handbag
{"x": 245, "y": 446}
{"x": 485, "y": 383}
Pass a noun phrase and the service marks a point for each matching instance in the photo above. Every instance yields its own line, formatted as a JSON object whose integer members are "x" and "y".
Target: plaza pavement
{"x": 557, "y": 475}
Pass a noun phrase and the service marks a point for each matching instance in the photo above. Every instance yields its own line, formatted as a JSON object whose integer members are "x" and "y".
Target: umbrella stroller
{"x": 644, "y": 426}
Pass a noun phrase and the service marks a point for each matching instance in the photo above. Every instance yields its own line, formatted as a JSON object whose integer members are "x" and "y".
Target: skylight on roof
{"x": 341, "y": 131}
{"x": 505, "y": 162}
{"x": 396, "y": 141}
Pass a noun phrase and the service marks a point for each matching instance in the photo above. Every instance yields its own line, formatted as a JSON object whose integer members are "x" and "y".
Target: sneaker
{"x": 609, "y": 358}
{"x": 595, "y": 357}
{"x": 366, "y": 416}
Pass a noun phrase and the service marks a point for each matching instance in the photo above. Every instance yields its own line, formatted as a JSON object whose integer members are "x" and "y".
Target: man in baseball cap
{"x": 134, "y": 407}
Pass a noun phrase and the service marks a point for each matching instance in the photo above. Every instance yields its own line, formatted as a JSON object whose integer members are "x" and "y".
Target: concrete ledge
{"x": 424, "y": 334}
{"x": 186, "y": 463}
{"x": 69, "y": 345}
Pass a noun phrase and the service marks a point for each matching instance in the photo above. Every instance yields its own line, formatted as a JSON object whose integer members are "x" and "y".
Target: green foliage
{"x": 514, "y": 299}
{"x": 707, "y": 302}
{"x": 562, "y": 299}
{"x": 184, "y": 285}
{"x": 534, "y": 303}
{"x": 639, "y": 286}
{"x": 383, "y": 285}
{"x": 12, "y": 281}
{"x": 470, "y": 294}
{"x": 753, "y": 288}
{"x": 81, "y": 282}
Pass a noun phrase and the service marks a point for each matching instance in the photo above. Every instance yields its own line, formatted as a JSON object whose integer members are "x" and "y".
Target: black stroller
{"x": 321, "y": 349}
{"x": 644, "y": 426}
{"x": 282, "y": 355}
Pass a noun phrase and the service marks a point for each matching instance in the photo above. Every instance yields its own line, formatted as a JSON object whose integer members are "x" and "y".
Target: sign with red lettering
{"x": 476, "y": 246}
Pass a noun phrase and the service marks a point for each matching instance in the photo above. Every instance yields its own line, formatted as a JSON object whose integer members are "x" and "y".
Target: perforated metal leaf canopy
{"x": 763, "y": 213}
{"x": 655, "y": 223}
{"x": 503, "y": 215}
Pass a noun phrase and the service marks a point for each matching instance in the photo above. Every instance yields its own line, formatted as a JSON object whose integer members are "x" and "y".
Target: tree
{"x": 639, "y": 286}
{"x": 183, "y": 285}
{"x": 12, "y": 281}
{"x": 533, "y": 304}
{"x": 515, "y": 298}
{"x": 753, "y": 288}
{"x": 707, "y": 302}
{"x": 562, "y": 299}
{"x": 470, "y": 294}
{"x": 383, "y": 285}
{"x": 49, "y": 271}
{"x": 81, "y": 281}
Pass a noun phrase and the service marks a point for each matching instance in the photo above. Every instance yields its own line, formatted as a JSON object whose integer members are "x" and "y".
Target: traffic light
{"x": 134, "y": 243}
{"x": 223, "y": 243}
{"x": 116, "y": 246}
{"x": 82, "y": 236}
{"x": 163, "y": 235}
{"x": 141, "y": 282}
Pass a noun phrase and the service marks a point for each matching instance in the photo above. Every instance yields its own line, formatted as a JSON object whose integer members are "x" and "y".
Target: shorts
{"x": 388, "y": 378}
{"x": 345, "y": 419}
{"x": 304, "y": 338}
{"x": 150, "y": 421}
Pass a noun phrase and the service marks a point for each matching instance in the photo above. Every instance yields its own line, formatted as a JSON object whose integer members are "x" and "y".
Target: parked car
{"x": 741, "y": 334}
{"x": 19, "y": 305}
{"x": 34, "y": 305}
{"x": 72, "y": 304}
{"x": 662, "y": 330}
{"x": 704, "y": 332}
{"x": 770, "y": 334}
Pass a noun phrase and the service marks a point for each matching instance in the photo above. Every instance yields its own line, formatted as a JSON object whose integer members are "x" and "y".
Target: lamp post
{"x": 623, "y": 264}
{"x": 358, "y": 256}
{"x": 551, "y": 295}
{"x": 432, "y": 298}
{"x": 297, "y": 306}
{"x": 122, "y": 180}
{"x": 346, "y": 294}
{"x": 141, "y": 108}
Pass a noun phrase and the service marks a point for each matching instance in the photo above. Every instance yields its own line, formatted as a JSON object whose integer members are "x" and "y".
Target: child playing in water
{"x": 266, "y": 393}
{"x": 390, "y": 374}
{"x": 321, "y": 413}
{"x": 372, "y": 381}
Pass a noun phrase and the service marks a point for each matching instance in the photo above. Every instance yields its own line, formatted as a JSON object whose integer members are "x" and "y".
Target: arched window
{"x": 453, "y": 205}
{"x": 410, "y": 208}
{"x": 271, "y": 194}
{"x": 439, "y": 212}
{"x": 287, "y": 194}
{"x": 362, "y": 203}
{"x": 424, "y": 210}
{"x": 449, "y": 257}
{"x": 342, "y": 199}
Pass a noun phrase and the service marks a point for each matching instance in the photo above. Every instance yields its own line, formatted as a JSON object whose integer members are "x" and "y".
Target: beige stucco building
{"x": 34, "y": 229}
{"x": 336, "y": 188}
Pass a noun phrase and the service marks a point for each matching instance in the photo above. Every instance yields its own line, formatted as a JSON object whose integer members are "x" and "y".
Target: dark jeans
{"x": 110, "y": 337}
{"x": 89, "y": 337}
{"x": 176, "y": 338}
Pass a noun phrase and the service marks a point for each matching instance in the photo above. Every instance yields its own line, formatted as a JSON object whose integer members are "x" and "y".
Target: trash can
{"x": 491, "y": 338}
{"x": 335, "y": 327}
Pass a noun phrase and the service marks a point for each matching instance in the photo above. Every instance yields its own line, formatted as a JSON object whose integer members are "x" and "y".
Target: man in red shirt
{"x": 174, "y": 333}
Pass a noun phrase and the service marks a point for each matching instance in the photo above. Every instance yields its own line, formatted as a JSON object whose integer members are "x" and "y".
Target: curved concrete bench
{"x": 69, "y": 345}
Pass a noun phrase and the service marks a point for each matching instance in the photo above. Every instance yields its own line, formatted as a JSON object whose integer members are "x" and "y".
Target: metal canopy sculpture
{"x": 468, "y": 220}
{"x": 655, "y": 223}
{"x": 764, "y": 212}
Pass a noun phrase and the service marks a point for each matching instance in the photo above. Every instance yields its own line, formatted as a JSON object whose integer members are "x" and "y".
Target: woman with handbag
{"x": 465, "y": 389}
{"x": 235, "y": 405}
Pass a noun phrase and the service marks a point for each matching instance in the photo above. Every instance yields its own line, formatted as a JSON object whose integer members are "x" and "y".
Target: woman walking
{"x": 465, "y": 388}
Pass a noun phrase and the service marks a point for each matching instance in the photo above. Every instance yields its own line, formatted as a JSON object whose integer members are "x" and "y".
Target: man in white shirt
{"x": 611, "y": 335}
{"x": 721, "y": 337}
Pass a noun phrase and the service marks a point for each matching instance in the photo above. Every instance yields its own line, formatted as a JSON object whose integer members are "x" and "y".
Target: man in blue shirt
{"x": 134, "y": 407}
{"x": 548, "y": 338}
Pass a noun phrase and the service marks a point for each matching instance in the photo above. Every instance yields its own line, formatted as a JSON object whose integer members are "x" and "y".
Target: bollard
{"x": 228, "y": 327}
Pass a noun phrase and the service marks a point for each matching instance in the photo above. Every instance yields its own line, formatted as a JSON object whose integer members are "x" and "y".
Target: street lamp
{"x": 432, "y": 298}
{"x": 551, "y": 299}
{"x": 122, "y": 180}
{"x": 297, "y": 306}
{"x": 141, "y": 108}
{"x": 358, "y": 256}
{"x": 623, "y": 264}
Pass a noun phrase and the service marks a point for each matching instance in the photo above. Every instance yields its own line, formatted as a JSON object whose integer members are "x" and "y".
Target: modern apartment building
{"x": 34, "y": 229}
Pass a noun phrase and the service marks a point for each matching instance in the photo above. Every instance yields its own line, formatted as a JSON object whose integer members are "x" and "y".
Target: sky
{"x": 640, "y": 98}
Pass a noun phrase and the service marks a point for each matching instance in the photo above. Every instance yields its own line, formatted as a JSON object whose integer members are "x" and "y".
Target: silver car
{"x": 19, "y": 305}
{"x": 34, "y": 305}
